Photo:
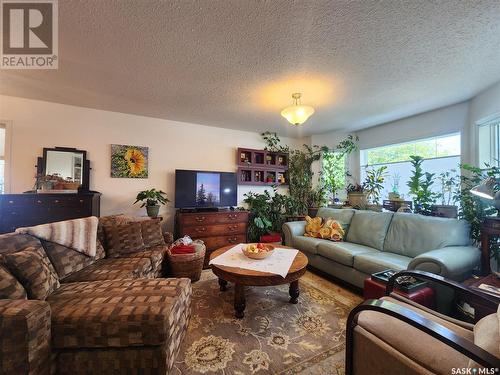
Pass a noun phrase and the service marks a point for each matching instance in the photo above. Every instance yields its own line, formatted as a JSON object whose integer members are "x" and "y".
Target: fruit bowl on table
{"x": 257, "y": 250}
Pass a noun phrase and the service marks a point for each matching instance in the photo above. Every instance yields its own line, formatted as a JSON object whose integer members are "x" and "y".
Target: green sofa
{"x": 376, "y": 241}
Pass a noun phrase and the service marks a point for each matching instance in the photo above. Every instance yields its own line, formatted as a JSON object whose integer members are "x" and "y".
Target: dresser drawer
{"x": 211, "y": 218}
{"x": 214, "y": 243}
{"x": 214, "y": 230}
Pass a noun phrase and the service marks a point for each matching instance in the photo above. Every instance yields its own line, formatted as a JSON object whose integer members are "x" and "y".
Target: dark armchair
{"x": 393, "y": 335}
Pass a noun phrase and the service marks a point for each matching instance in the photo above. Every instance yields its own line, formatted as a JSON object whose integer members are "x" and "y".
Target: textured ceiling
{"x": 235, "y": 63}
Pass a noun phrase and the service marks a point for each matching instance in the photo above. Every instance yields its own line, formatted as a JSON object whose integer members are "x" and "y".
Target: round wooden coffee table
{"x": 241, "y": 277}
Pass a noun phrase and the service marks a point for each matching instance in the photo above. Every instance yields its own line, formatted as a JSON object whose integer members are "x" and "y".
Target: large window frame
{"x": 488, "y": 152}
{"x": 453, "y": 152}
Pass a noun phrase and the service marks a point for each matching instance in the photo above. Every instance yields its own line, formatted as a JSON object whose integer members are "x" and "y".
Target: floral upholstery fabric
{"x": 34, "y": 270}
{"x": 67, "y": 261}
{"x": 25, "y": 337}
{"x": 111, "y": 314}
{"x": 10, "y": 288}
{"x": 113, "y": 269}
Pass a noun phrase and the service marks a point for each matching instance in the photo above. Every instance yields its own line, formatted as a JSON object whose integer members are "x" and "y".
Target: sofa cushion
{"x": 34, "y": 270}
{"x": 151, "y": 233}
{"x": 412, "y": 234}
{"x": 124, "y": 238}
{"x": 107, "y": 314}
{"x": 342, "y": 252}
{"x": 66, "y": 260}
{"x": 113, "y": 269}
{"x": 12, "y": 242}
{"x": 369, "y": 228}
{"x": 487, "y": 333}
{"x": 370, "y": 263}
{"x": 10, "y": 287}
{"x": 307, "y": 244}
{"x": 342, "y": 215}
{"x": 157, "y": 256}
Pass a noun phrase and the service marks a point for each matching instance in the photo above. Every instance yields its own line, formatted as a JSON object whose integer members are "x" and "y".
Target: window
{"x": 2, "y": 158}
{"x": 488, "y": 143}
{"x": 441, "y": 154}
{"x": 334, "y": 171}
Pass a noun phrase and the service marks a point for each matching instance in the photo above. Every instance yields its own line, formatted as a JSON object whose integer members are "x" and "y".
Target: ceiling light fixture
{"x": 297, "y": 113}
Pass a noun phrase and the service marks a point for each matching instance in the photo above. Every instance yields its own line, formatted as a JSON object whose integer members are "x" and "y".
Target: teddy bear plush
{"x": 313, "y": 226}
{"x": 328, "y": 229}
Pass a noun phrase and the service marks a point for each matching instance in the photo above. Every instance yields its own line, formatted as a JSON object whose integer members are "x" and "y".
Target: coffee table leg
{"x": 239, "y": 301}
{"x": 222, "y": 285}
{"x": 294, "y": 291}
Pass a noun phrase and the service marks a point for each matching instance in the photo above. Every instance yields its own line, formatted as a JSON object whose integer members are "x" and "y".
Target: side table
{"x": 489, "y": 228}
{"x": 424, "y": 296}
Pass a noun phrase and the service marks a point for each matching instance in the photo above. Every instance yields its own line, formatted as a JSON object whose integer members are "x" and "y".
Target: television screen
{"x": 198, "y": 189}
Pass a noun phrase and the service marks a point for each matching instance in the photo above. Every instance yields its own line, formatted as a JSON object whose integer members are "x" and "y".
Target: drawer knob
{"x": 200, "y": 218}
{"x": 232, "y": 216}
{"x": 202, "y": 229}
{"x": 232, "y": 240}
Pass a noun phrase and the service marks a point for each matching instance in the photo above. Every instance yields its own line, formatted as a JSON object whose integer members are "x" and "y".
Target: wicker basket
{"x": 187, "y": 265}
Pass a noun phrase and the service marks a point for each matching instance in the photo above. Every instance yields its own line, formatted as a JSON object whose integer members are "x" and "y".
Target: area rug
{"x": 274, "y": 337}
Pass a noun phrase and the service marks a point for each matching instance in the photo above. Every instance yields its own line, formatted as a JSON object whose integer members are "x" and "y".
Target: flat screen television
{"x": 204, "y": 189}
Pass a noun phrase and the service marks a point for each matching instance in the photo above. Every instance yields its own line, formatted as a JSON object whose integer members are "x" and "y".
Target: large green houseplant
{"x": 152, "y": 199}
{"x": 420, "y": 187}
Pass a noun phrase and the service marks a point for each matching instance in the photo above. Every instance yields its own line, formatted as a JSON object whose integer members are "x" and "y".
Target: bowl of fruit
{"x": 257, "y": 250}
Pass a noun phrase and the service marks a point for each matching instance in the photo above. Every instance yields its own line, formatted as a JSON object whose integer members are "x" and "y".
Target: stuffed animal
{"x": 313, "y": 226}
{"x": 328, "y": 229}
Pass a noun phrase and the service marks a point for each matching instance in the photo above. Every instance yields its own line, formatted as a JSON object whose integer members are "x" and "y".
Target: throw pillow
{"x": 151, "y": 233}
{"x": 123, "y": 238}
{"x": 487, "y": 335}
{"x": 33, "y": 269}
{"x": 10, "y": 288}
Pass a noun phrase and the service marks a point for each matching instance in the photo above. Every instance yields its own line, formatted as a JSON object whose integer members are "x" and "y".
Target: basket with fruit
{"x": 257, "y": 250}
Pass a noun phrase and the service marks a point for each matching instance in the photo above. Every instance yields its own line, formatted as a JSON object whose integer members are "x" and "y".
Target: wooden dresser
{"x": 21, "y": 210}
{"x": 216, "y": 229}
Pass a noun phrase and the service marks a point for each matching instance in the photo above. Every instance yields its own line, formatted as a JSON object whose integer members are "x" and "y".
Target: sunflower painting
{"x": 129, "y": 161}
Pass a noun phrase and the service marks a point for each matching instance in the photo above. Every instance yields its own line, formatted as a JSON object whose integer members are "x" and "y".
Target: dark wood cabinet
{"x": 261, "y": 167}
{"x": 21, "y": 210}
{"x": 216, "y": 229}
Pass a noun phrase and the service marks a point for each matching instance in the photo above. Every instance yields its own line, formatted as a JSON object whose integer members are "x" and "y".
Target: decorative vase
{"x": 153, "y": 210}
{"x": 357, "y": 200}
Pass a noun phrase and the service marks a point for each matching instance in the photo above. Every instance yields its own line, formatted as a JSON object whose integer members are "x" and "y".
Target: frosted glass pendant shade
{"x": 297, "y": 113}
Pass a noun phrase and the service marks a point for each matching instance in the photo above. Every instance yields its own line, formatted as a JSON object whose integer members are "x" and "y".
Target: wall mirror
{"x": 63, "y": 168}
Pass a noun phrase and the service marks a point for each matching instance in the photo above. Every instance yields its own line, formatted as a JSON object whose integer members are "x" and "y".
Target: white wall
{"x": 441, "y": 121}
{"x": 172, "y": 145}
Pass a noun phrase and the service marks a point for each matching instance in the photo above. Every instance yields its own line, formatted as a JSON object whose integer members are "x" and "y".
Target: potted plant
{"x": 449, "y": 180}
{"x": 356, "y": 195}
{"x": 152, "y": 199}
{"x": 420, "y": 187}
{"x": 374, "y": 184}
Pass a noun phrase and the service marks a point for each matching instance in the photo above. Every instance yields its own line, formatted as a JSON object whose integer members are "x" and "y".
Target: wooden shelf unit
{"x": 261, "y": 167}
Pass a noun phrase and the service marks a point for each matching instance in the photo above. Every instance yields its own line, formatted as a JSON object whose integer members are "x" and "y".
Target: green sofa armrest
{"x": 24, "y": 337}
{"x": 292, "y": 229}
{"x": 453, "y": 262}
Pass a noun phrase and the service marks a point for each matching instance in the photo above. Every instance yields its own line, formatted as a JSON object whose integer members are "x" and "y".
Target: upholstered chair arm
{"x": 454, "y": 262}
{"x": 415, "y": 320}
{"x": 24, "y": 337}
{"x": 291, "y": 229}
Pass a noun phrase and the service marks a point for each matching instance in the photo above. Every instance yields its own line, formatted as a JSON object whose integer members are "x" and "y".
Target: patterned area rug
{"x": 274, "y": 337}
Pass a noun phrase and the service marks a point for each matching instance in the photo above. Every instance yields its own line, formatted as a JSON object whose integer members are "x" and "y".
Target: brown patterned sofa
{"x": 104, "y": 316}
